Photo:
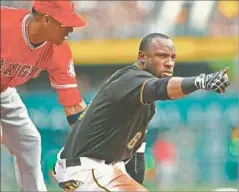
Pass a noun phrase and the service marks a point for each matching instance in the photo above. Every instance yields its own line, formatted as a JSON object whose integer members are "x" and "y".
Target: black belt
{"x": 77, "y": 162}
{"x": 73, "y": 162}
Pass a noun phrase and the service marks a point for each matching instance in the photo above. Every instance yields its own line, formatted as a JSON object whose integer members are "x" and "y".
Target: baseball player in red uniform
{"x": 32, "y": 42}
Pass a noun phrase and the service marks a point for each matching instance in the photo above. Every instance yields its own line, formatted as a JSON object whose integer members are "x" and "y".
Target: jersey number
{"x": 134, "y": 140}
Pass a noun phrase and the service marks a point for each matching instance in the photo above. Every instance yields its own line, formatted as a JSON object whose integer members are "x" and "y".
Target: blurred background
{"x": 192, "y": 143}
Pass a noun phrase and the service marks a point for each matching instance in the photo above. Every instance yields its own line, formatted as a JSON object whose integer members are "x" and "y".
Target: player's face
{"x": 56, "y": 32}
{"x": 161, "y": 57}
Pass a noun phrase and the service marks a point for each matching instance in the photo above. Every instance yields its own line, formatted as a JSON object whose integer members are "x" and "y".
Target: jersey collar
{"x": 137, "y": 65}
{"x": 25, "y": 36}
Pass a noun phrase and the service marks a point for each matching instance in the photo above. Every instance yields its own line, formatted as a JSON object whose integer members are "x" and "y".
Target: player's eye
{"x": 162, "y": 56}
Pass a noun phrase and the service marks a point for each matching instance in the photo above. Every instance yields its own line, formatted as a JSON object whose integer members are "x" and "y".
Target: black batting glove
{"x": 217, "y": 81}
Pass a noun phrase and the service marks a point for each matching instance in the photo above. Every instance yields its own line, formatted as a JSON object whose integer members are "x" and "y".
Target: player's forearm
{"x": 73, "y": 112}
{"x": 178, "y": 87}
{"x": 168, "y": 88}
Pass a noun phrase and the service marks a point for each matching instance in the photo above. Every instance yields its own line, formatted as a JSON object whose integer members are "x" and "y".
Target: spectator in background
{"x": 164, "y": 153}
{"x": 136, "y": 17}
{"x": 132, "y": 20}
{"x": 18, "y": 4}
{"x": 225, "y": 19}
{"x": 103, "y": 18}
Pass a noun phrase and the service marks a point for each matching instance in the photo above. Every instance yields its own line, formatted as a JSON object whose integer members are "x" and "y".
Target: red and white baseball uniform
{"x": 21, "y": 61}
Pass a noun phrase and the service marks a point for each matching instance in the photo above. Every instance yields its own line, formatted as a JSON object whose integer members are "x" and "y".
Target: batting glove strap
{"x": 200, "y": 81}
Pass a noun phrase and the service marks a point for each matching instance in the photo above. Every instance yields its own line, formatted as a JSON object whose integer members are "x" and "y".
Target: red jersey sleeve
{"x": 62, "y": 76}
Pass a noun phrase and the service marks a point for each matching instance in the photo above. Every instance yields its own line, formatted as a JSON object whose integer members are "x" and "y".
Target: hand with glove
{"x": 217, "y": 81}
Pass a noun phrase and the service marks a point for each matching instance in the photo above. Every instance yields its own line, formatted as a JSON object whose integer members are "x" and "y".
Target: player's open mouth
{"x": 66, "y": 37}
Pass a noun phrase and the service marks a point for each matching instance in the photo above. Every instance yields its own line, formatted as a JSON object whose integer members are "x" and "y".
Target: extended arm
{"x": 178, "y": 87}
{"x": 64, "y": 80}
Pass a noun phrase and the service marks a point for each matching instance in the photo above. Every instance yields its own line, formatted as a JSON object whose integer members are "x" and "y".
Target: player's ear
{"x": 46, "y": 19}
{"x": 142, "y": 57}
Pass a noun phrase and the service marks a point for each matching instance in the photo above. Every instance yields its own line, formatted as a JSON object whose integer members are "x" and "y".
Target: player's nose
{"x": 170, "y": 63}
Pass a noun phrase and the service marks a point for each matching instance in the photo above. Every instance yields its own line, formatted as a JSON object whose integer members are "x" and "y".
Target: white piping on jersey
{"x": 63, "y": 86}
{"x": 26, "y": 39}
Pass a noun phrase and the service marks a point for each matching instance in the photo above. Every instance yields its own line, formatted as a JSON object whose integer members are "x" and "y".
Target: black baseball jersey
{"x": 114, "y": 123}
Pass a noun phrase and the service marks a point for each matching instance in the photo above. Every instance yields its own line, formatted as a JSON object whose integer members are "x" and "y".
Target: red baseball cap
{"x": 62, "y": 11}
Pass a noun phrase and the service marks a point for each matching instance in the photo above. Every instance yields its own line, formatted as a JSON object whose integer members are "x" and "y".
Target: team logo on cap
{"x": 71, "y": 70}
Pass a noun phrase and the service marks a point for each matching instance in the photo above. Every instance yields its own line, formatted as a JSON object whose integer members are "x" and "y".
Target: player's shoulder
{"x": 62, "y": 49}
{"x": 12, "y": 17}
{"x": 135, "y": 71}
{"x": 61, "y": 55}
{"x": 8, "y": 9}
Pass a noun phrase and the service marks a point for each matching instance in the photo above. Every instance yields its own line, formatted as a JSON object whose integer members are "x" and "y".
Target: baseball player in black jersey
{"x": 114, "y": 124}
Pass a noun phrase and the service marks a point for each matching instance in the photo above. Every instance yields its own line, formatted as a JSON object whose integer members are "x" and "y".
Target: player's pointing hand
{"x": 217, "y": 81}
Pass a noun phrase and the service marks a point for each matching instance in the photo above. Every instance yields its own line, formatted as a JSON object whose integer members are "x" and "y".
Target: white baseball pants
{"x": 23, "y": 140}
{"x": 94, "y": 175}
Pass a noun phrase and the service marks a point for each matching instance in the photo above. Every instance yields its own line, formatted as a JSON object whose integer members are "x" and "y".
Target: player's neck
{"x": 34, "y": 33}
{"x": 138, "y": 65}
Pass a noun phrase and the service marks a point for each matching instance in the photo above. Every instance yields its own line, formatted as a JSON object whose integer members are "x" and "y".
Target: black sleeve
{"x": 155, "y": 89}
{"x": 130, "y": 85}
{"x": 151, "y": 112}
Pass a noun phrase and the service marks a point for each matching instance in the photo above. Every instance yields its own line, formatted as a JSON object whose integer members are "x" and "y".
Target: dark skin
{"x": 159, "y": 59}
{"x": 43, "y": 28}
